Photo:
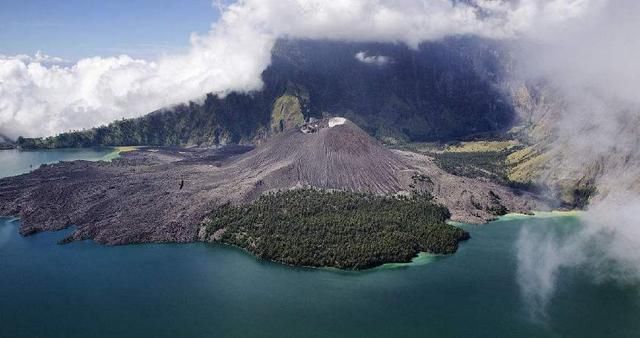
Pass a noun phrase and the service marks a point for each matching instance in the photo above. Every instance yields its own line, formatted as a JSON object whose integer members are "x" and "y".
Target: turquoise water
{"x": 200, "y": 290}
{"x": 14, "y": 162}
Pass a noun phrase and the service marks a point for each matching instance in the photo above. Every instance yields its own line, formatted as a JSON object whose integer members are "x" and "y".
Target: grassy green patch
{"x": 485, "y": 164}
{"x": 286, "y": 113}
{"x": 491, "y": 160}
{"x": 483, "y": 146}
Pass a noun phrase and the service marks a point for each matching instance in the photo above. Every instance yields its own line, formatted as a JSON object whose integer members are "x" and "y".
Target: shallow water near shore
{"x": 15, "y": 162}
{"x": 199, "y": 290}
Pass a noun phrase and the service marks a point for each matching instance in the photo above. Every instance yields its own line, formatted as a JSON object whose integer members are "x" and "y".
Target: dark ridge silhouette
{"x": 442, "y": 91}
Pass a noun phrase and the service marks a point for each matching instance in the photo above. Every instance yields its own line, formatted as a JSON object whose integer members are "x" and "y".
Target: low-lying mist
{"x": 593, "y": 63}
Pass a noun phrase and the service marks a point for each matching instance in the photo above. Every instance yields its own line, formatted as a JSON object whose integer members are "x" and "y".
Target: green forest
{"x": 236, "y": 119}
{"x": 339, "y": 229}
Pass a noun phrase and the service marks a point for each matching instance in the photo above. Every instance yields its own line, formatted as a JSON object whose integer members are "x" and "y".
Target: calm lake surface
{"x": 200, "y": 290}
{"x": 14, "y": 162}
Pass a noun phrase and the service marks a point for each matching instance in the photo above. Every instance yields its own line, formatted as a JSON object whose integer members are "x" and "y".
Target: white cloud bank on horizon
{"x": 40, "y": 98}
{"x": 38, "y": 57}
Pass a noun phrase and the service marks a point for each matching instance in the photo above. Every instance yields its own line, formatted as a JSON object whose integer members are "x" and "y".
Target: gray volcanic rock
{"x": 162, "y": 195}
{"x": 339, "y": 157}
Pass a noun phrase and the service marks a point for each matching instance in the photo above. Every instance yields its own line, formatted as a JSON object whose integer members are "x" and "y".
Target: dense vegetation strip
{"x": 337, "y": 229}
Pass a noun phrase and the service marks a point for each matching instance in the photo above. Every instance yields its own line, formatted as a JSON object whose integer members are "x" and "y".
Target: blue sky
{"x": 74, "y": 29}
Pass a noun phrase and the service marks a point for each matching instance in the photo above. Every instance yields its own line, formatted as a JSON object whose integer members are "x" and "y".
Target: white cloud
{"x": 38, "y": 57}
{"x": 592, "y": 63}
{"x": 378, "y": 60}
{"x": 38, "y": 97}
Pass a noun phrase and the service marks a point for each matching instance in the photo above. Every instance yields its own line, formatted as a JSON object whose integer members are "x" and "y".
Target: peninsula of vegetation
{"x": 339, "y": 229}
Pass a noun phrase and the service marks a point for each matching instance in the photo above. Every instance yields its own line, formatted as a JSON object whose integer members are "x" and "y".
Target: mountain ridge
{"x": 441, "y": 91}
